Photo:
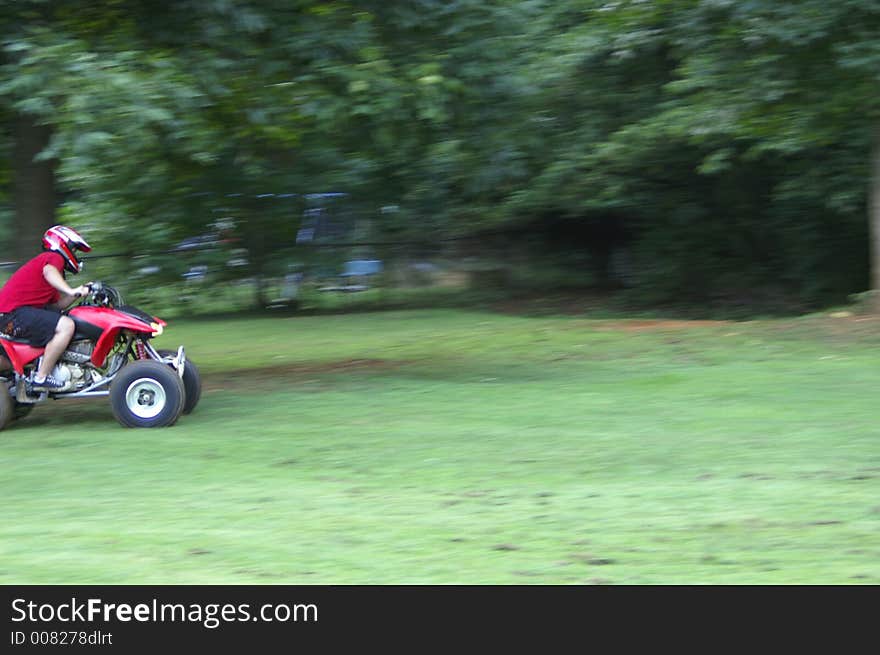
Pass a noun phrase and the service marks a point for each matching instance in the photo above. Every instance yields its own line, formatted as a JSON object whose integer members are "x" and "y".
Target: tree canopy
{"x": 724, "y": 147}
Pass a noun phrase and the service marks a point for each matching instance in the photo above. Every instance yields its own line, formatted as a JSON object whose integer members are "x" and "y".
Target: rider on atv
{"x": 32, "y": 299}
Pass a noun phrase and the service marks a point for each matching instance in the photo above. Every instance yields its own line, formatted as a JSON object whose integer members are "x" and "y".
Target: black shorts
{"x": 37, "y": 326}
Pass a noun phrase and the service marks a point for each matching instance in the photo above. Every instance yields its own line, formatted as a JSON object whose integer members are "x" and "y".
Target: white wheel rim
{"x": 145, "y": 398}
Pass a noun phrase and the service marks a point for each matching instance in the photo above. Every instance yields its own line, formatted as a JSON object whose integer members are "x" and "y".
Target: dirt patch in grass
{"x": 272, "y": 375}
{"x": 851, "y": 325}
{"x": 830, "y": 325}
{"x": 649, "y": 325}
{"x": 837, "y": 326}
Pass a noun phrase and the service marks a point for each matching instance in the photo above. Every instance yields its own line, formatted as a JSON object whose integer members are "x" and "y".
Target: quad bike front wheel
{"x": 147, "y": 394}
{"x": 192, "y": 382}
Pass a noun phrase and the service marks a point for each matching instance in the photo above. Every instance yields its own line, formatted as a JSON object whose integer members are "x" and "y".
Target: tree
{"x": 732, "y": 137}
{"x": 779, "y": 83}
{"x": 728, "y": 141}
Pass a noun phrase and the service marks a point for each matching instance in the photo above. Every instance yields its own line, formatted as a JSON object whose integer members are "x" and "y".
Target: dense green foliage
{"x": 700, "y": 149}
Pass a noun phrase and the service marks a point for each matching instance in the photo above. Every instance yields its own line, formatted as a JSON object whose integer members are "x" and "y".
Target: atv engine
{"x": 74, "y": 367}
{"x": 81, "y": 347}
{"x": 72, "y": 375}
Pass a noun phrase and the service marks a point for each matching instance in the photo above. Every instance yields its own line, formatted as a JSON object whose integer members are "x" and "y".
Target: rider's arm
{"x": 54, "y": 277}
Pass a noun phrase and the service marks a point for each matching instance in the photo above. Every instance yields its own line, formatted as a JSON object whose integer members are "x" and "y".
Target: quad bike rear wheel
{"x": 20, "y": 410}
{"x": 147, "y": 394}
{"x": 7, "y": 407}
{"x": 15, "y": 410}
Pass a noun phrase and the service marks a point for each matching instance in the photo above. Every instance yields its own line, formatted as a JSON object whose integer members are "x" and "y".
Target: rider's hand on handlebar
{"x": 82, "y": 290}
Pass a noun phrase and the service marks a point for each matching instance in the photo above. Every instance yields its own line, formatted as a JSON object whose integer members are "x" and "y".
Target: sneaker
{"x": 49, "y": 384}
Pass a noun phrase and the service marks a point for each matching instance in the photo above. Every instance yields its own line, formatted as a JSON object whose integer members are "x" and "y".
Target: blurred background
{"x": 226, "y": 155}
{"x": 271, "y": 164}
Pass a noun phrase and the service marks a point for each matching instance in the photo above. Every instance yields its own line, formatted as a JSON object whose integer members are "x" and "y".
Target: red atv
{"x": 110, "y": 354}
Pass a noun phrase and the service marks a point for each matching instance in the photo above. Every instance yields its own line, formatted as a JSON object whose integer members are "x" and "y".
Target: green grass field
{"x": 445, "y": 447}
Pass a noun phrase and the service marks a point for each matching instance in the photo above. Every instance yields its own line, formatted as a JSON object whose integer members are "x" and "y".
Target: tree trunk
{"x": 33, "y": 187}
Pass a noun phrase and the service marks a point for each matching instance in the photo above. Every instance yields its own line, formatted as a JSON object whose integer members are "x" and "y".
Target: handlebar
{"x": 91, "y": 288}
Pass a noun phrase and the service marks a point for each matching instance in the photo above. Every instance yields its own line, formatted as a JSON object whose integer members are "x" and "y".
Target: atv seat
{"x": 85, "y": 330}
{"x": 6, "y": 337}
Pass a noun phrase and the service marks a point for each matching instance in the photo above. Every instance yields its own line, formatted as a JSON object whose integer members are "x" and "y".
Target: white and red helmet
{"x": 66, "y": 241}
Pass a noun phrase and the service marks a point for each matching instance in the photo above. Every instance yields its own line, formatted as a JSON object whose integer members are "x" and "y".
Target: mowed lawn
{"x": 446, "y": 447}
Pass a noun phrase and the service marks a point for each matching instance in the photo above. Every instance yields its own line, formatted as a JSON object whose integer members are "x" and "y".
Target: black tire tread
{"x": 166, "y": 376}
{"x": 192, "y": 382}
{"x": 7, "y": 407}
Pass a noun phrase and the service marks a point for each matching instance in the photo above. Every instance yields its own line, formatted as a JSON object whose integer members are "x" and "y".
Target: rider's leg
{"x": 63, "y": 334}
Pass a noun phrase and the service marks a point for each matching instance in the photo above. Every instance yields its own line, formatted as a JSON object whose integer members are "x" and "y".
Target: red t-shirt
{"x": 28, "y": 288}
